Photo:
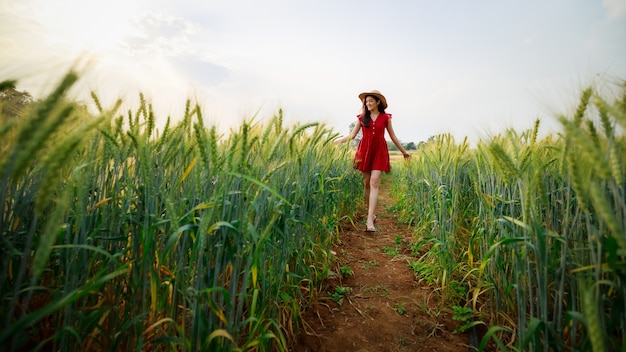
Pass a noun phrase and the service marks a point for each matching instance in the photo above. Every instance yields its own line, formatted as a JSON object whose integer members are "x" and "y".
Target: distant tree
{"x": 356, "y": 140}
{"x": 358, "y": 136}
{"x": 8, "y": 84}
{"x": 407, "y": 146}
{"x": 12, "y": 101}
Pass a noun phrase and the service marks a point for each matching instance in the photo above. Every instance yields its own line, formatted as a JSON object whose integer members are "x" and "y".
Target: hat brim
{"x": 380, "y": 97}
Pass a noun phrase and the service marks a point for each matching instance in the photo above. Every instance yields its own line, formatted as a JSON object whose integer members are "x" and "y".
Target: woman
{"x": 372, "y": 155}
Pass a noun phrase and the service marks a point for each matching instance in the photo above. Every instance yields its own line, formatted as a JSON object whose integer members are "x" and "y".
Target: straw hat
{"x": 376, "y": 94}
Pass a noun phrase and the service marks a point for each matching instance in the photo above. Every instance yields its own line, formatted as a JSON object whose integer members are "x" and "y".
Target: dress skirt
{"x": 372, "y": 153}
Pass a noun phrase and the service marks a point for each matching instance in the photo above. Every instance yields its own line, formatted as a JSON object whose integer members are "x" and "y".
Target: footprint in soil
{"x": 374, "y": 302}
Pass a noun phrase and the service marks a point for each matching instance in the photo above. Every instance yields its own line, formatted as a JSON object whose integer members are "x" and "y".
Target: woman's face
{"x": 371, "y": 103}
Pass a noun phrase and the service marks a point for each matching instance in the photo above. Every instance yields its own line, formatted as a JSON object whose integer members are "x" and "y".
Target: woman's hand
{"x": 406, "y": 155}
{"x": 341, "y": 140}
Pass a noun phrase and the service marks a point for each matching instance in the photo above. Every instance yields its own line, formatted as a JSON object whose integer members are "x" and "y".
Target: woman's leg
{"x": 374, "y": 182}
{"x": 366, "y": 187}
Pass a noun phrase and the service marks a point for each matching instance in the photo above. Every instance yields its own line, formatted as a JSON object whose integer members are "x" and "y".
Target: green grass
{"x": 370, "y": 264}
{"x": 400, "y": 308}
{"x": 511, "y": 229}
{"x": 118, "y": 236}
{"x": 339, "y": 294}
{"x": 346, "y": 271}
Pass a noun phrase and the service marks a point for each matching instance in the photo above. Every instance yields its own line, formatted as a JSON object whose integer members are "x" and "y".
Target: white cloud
{"x": 459, "y": 68}
{"x": 615, "y": 8}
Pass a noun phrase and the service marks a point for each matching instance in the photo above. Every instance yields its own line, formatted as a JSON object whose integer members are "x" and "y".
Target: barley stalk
{"x": 592, "y": 318}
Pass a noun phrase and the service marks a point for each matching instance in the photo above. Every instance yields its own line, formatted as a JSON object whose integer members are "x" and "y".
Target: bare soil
{"x": 387, "y": 307}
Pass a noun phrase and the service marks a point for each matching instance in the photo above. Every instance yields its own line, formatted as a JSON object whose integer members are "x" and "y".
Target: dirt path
{"x": 386, "y": 309}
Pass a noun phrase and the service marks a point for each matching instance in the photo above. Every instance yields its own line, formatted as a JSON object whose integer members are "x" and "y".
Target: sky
{"x": 468, "y": 68}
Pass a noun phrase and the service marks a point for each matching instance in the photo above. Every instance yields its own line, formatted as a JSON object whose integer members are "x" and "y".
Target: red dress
{"x": 372, "y": 153}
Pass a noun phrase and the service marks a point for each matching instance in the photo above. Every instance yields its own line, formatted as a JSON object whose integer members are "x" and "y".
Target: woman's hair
{"x": 367, "y": 115}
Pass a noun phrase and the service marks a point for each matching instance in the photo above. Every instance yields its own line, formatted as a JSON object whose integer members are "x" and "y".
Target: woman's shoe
{"x": 374, "y": 217}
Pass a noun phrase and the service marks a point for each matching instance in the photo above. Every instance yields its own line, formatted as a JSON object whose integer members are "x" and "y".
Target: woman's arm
{"x": 395, "y": 140}
{"x": 352, "y": 134}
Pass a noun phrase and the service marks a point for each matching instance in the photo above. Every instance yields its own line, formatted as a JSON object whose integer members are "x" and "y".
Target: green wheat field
{"x": 119, "y": 236}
